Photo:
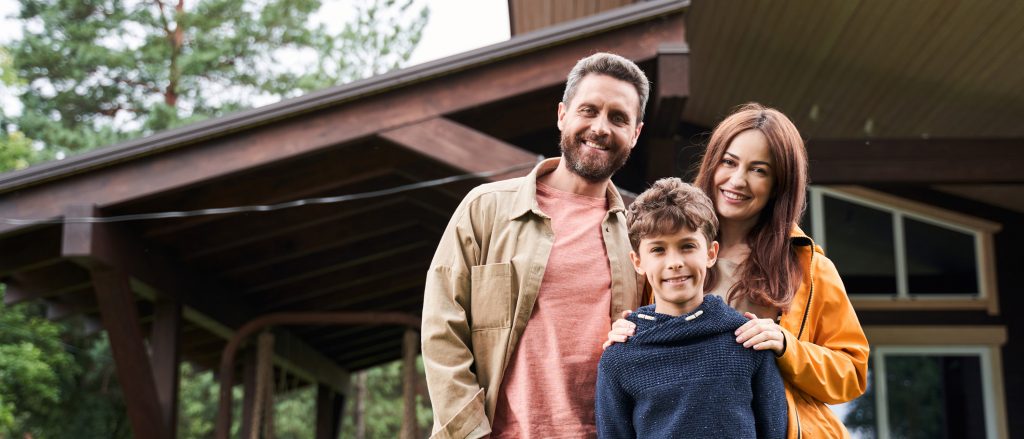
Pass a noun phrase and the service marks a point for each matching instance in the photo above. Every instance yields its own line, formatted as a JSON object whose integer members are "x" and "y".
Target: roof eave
{"x": 247, "y": 119}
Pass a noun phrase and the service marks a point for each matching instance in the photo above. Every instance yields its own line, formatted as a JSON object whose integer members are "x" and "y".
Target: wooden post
{"x": 249, "y": 396}
{"x": 328, "y": 412}
{"x": 121, "y": 320}
{"x": 410, "y": 348}
{"x": 359, "y": 408}
{"x": 164, "y": 341}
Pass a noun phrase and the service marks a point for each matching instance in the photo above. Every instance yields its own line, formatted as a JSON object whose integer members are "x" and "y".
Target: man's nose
{"x": 600, "y": 126}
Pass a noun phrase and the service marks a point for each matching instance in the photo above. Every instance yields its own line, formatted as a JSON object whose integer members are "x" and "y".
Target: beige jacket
{"x": 481, "y": 288}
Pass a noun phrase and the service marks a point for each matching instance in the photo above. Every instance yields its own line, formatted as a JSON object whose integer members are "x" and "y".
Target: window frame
{"x": 984, "y": 341}
{"x": 980, "y": 230}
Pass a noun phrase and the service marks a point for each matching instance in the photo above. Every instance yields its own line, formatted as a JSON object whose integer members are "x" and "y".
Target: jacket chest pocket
{"x": 491, "y": 296}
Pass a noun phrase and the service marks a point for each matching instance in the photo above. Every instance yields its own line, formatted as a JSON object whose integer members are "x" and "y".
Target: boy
{"x": 683, "y": 374}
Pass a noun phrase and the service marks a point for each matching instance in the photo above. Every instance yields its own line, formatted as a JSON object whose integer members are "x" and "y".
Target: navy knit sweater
{"x": 686, "y": 377}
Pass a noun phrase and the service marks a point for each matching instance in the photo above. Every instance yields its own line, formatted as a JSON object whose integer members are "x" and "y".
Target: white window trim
{"x": 981, "y": 231}
{"x": 992, "y": 430}
{"x": 948, "y": 340}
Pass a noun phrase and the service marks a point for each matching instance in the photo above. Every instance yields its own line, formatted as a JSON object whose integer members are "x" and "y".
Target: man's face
{"x": 599, "y": 126}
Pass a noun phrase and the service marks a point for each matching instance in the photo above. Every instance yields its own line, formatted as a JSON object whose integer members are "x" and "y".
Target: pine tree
{"x": 101, "y": 71}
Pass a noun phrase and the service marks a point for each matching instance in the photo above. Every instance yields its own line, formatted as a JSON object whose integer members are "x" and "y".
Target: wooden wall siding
{"x": 529, "y": 15}
{"x": 863, "y": 68}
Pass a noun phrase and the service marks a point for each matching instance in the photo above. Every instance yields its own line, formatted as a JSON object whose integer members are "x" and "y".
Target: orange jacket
{"x": 826, "y": 356}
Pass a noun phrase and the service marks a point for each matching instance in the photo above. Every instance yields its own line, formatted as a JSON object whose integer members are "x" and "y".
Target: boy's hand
{"x": 761, "y": 334}
{"x": 622, "y": 329}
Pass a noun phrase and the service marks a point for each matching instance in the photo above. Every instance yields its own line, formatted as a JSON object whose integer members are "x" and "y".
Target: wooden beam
{"x": 670, "y": 94}
{"x": 460, "y": 147}
{"x": 304, "y": 235}
{"x": 44, "y": 282}
{"x": 121, "y": 320}
{"x": 34, "y": 249}
{"x": 249, "y": 379}
{"x": 165, "y": 341}
{"x": 327, "y": 173}
{"x": 925, "y": 161}
{"x": 338, "y": 296}
{"x": 329, "y": 410}
{"x": 367, "y": 248}
{"x": 203, "y": 299}
{"x": 78, "y": 302}
{"x": 671, "y": 91}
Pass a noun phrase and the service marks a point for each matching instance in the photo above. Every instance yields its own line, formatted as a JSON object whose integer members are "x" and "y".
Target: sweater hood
{"x": 713, "y": 317}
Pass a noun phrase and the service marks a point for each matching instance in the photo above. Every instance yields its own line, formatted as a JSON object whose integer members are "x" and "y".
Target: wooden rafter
{"x": 108, "y": 245}
{"x": 930, "y": 161}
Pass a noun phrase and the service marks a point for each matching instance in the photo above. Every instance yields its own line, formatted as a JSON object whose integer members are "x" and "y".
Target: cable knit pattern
{"x": 679, "y": 378}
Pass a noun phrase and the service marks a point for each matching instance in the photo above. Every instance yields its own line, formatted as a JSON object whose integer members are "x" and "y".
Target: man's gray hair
{"x": 612, "y": 65}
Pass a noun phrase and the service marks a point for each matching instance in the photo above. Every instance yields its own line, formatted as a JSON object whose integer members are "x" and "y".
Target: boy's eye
{"x": 657, "y": 249}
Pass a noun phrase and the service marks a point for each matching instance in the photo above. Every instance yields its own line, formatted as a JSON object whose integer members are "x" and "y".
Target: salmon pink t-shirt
{"x": 548, "y": 388}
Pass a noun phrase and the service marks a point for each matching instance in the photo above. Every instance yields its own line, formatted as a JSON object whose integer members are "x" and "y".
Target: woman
{"x": 755, "y": 172}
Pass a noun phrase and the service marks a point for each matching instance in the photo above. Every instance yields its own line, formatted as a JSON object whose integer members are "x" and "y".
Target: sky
{"x": 455, "y": 26}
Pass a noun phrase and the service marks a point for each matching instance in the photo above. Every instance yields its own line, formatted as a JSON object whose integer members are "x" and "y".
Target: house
{"x": 911, "y": 111}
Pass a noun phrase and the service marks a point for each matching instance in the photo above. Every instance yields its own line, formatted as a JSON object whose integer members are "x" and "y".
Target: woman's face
{"x": 744, "y": 179}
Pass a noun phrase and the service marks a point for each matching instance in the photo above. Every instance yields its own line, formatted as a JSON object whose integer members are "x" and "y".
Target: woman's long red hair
{"x": 770, "y": 252}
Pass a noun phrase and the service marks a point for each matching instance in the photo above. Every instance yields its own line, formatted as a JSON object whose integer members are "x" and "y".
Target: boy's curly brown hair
{"x": 668, "y": 206}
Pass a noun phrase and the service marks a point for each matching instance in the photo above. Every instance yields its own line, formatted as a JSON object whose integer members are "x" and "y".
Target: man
{"x": 530, "y": 272}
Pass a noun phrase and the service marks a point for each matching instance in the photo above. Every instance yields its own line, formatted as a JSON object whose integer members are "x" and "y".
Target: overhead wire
{"x": 270, "y": 207}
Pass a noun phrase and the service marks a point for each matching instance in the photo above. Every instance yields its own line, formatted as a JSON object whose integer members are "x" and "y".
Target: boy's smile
{"x": 676, "y": 266}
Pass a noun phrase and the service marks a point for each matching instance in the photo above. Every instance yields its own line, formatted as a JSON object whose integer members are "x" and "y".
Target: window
{"x": 897, "y": 254}
{"x": 925, "y": 390}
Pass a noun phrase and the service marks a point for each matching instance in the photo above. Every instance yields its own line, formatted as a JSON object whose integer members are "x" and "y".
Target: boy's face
{"x": 676, "y": 265}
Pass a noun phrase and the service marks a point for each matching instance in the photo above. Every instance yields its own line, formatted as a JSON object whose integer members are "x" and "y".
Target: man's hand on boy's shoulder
{"x": 621, "y": 330}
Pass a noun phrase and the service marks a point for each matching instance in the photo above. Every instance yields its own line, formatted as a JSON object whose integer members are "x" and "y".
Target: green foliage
{"x": 33, "y": 366}
{"x": 383, "y": 405}
{"x": 198, "y": 397}
{"x": 16, "y": 151}
{"x": 100, "y": 71}
{"x": 295, "y": 414}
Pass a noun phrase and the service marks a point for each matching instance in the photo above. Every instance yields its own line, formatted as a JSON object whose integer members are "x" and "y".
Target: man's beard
{"x": 594, "y": 168}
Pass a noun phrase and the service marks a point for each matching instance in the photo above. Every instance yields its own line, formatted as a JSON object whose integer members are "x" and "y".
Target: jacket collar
{"x": 526, "y": 195}
{"x": 799, "y": 238}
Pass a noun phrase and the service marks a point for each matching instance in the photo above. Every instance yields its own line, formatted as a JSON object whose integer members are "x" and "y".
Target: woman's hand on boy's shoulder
{"x": 761, "y": 334}
{"x": 622, "y": 329}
